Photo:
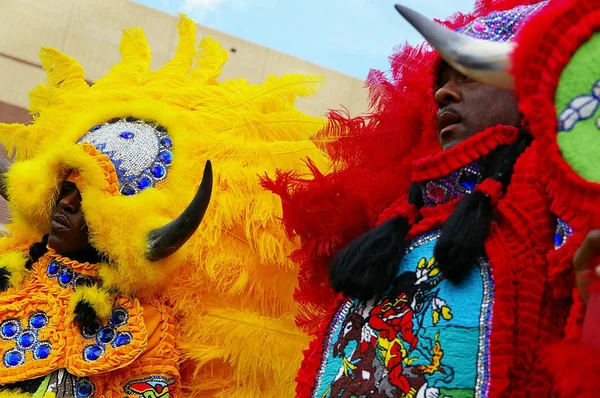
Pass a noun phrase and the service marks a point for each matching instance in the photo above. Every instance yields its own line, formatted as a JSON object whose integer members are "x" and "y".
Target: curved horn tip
{"x": 166, "y": 240}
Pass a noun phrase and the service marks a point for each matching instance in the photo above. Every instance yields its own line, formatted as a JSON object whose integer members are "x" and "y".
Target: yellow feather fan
{"x": 231, "y": 284}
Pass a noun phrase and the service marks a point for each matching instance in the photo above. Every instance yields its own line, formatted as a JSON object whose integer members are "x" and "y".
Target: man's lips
{"x": 60, "y": 222}
{"x": 446, "y": 119}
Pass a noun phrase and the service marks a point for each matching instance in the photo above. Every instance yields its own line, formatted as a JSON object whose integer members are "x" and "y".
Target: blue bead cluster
{"x": 65, "y": 276}
{"x": 501, "y": 26}
{"x": 105, "y": 335}
{"x": 451, "y": 187}
{"x": 25, "y": 339}
{"x": 141, "y": 151}
{"x": 562, "y": 234}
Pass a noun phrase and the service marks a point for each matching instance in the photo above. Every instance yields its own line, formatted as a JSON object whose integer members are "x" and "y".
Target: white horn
{"x": 484, "y": 61}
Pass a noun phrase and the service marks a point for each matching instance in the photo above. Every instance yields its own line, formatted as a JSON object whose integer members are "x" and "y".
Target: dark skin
{"x": 68, "y": 229}
{"x": 467, "y": 107}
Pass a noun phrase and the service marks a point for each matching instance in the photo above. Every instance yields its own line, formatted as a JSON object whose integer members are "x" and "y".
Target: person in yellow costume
{"x": 121, "y": 275}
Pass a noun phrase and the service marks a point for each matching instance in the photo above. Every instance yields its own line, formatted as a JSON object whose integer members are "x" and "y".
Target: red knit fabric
{"x": 546, "y": 46}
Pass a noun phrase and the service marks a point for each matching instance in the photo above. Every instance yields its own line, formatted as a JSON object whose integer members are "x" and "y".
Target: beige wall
{"x": 90, "y": 31}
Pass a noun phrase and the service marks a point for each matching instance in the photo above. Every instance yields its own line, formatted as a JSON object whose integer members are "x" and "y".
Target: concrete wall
{"x": 90, "y": 31}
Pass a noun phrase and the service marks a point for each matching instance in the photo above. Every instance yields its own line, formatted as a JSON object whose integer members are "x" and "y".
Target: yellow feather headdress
{"x": 232, "y": 279}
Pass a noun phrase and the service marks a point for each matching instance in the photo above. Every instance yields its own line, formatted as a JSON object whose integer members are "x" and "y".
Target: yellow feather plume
{"x": 232, "y": 283}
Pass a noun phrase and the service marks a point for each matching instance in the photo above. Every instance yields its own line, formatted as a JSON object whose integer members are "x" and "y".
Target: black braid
{"x": 365, "y": 267}
{"x": 463, "y": 235}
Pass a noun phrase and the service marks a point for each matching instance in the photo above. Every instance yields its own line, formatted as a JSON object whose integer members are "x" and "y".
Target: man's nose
{"x": 70, "y": 202}
{"x": 447, "y": 94}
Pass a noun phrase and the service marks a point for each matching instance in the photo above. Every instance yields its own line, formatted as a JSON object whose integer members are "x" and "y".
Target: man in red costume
{"x": 479, "y": 209}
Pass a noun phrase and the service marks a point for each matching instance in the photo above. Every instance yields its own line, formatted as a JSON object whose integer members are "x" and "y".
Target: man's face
{"x": 467, "y": 107}
{"x": 68, "y": 229}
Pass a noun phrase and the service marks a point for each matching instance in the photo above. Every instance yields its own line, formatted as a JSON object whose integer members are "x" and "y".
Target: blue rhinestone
{"x": 53, "y": 268}
{"x": 558, "y": 239}
{"x": 27, "y": 339}
{"x": 10, "y": 329}
{"x": 166, "y": 142}
{"x": 158, "y": 171}
{"x": 122, "y": 339}
{"x": 43, "y": 351}
{"x": 127, "y": 135}
{"x": 161, "y": 129}
{"x": 92, "y": 352}
{"x": 66, "y": 276}
{"x": 96, "y": 127}
{"x": 118, "y": 317}
{"x": 13, "y": 358}
{"x": 38, "y": 321}
{"x": 166, "y": 157}
{"x": 128, "y": 190}
{"x": 106, "y": 335}
{"x": 84, "y": 388}
{"x": 144, "y": 183}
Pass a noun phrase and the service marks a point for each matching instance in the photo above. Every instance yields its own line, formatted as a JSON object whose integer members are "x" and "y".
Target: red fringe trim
{"x": 491, "y": 188}
{"x": 464, "y": 153}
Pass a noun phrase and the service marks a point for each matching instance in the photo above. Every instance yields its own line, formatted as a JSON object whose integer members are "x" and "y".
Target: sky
{"x": 349, "y": 36}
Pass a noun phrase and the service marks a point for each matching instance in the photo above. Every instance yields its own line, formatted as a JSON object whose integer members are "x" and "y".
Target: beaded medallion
{"x": 140, "y": 151}
{"x": 426, "y": 338}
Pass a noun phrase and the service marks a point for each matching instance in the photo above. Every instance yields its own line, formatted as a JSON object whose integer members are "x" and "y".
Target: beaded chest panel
{"x": 427, "y": 338}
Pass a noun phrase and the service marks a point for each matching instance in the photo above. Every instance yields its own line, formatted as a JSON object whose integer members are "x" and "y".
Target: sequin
{"x": 501, "y": 26}
{"x": 134, "y": 147}
{"x": 89, "y": 332}
{"x": 42, "y": 351}
{"x": 119, "y": 317}
{"x": 452, "y": 186}
{"x": 106, "y": 335}
{"x": 13, "y": 358}
{"x": 144, "y": 183}
{"x": 84, "y": 388}
{"x": 93, "y": 352}
{"x": 127, "y": 135}
{"x": 122, "y": 339}
{"x": 65, "y": 276}
{"x": 27, "y": 339}
{"x": 53, "y": 267}
{"x": 38, "y": 321}
{"x": 166, "y": 142}
{"x": 166, "y": 157}
{"x": 10, "y": 329}
{"x": 158, "y": 171}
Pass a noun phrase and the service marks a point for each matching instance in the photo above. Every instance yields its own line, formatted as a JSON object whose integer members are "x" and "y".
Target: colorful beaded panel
{"x": 140, "y": 151}
{"x": 563, "y": 233}
{"x": 451, "y": 187}
{"x": 25, "y": 338}
{"x": 106, "y": 335}
{"x": 151, "y": 387}
{"x": 501, "y": 26}
{"x": 65, "y": 276}
{"x": 426, "y": 338}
